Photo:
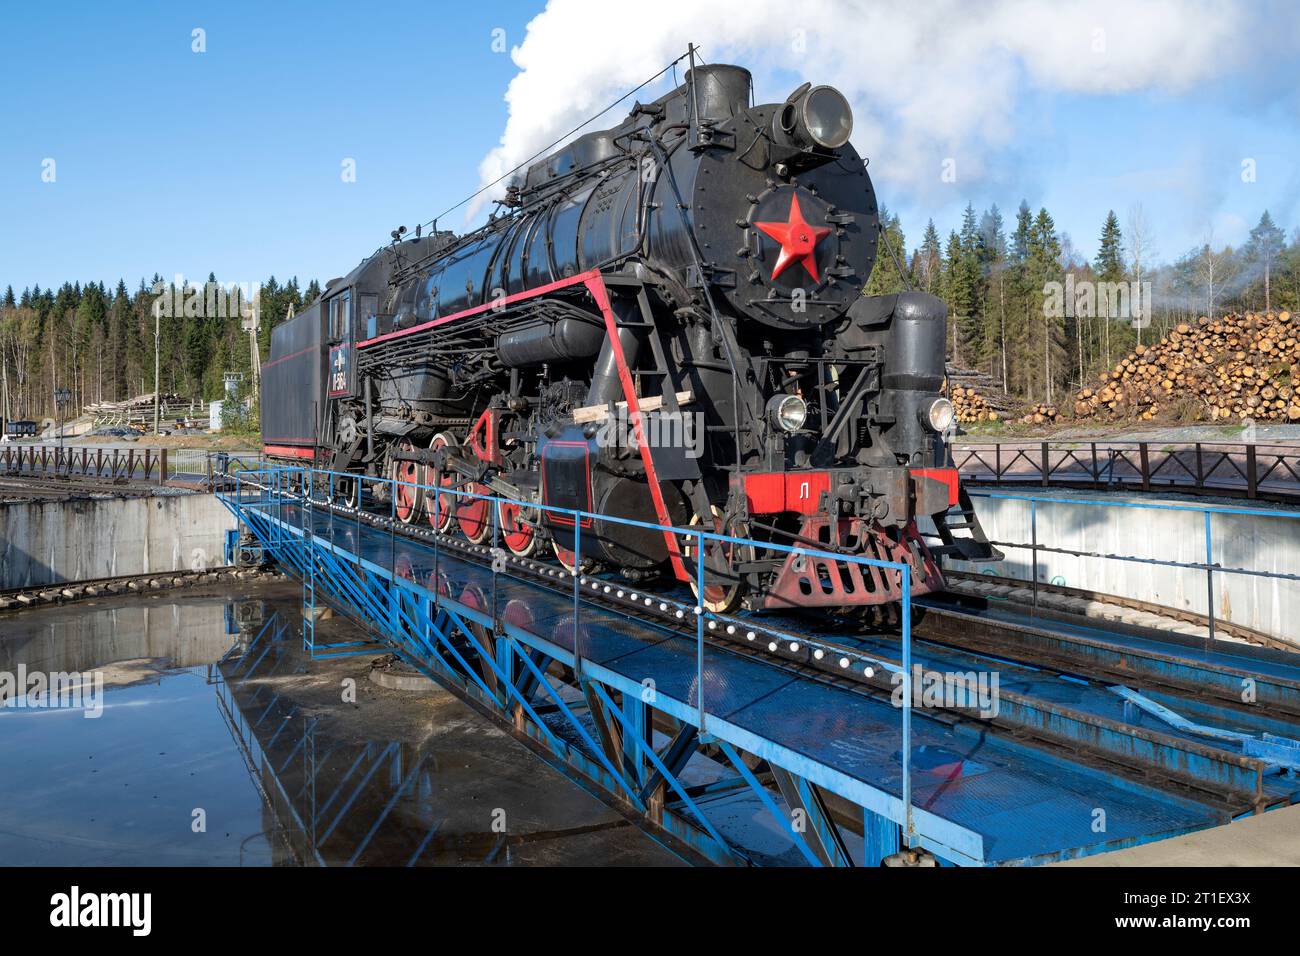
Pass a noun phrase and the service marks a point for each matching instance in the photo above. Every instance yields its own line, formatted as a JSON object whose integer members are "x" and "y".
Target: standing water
{"x": 195, "y": 731}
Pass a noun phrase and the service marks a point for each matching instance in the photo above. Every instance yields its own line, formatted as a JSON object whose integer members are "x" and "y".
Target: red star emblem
{"x": 798, "y": 240}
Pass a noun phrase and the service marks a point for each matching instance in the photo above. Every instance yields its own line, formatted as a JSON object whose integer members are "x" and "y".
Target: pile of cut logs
{"x": 1237, "y": 367}
{"x": 971, "y": 406}
{"x": 1040, "y": 414}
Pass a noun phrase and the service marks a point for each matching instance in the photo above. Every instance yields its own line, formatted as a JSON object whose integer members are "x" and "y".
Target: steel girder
{"x": 512, "y": 676}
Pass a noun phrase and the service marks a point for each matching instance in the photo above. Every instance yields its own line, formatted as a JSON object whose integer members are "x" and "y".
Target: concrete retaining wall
{"x": 1253, "y": 542}
{"x": 49, "y": 542}
{"x": 79, "y": 638}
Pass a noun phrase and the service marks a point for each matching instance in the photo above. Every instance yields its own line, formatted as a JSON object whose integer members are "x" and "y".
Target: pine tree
{"x": 1261, "y": 252}
{"x": 119, "y": 324}
{"x": 90, "y": 315}
{"x": 1023, "y": 236}
{"x": 1109, "y": 264}
{"x": 953, "y": 290}
{"x": 930, "y": 260}
{"x": 967, "y": 304}
{"x": 1044, "y": 265}
{"x": 272, "y": 314}
{"x": 1109, "y": 267}
{"x": 993, "y": 263}
{"x": 885, "y": 276}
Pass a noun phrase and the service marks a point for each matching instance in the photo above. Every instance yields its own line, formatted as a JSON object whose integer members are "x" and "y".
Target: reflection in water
{"x": 222, "y": 744}
{"x": 342, "y": 802}
{"x": 123, "y": 789}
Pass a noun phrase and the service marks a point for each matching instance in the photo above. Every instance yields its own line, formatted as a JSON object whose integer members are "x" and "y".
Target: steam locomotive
{"x": 663, "y": 322}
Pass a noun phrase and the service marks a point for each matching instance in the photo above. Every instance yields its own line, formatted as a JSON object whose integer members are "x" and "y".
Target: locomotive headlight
{"x": 827, "y": 116}
{"x": 939, "y": 414}
{"x": 818, "y": 116}
{"x": 787, "y": 412}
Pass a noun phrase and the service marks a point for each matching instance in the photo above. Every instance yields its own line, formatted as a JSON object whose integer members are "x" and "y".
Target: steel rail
{"x": 668, "y": 611}
{"x": 1239, "y": 631}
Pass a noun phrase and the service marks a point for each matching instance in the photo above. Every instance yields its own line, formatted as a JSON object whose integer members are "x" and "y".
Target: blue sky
{"x": 229, "y": 161}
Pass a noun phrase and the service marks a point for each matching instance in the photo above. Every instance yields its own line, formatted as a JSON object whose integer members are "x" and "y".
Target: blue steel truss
{"x": 835, "y": 770}
{"x": 288, "y": 762}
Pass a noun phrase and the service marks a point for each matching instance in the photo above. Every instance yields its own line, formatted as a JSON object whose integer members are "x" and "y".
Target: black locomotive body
{"x": 666, "y": 323}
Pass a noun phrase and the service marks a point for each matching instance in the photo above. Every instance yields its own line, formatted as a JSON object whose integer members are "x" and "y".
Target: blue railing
{"x": 278, "y": 484}
{"x": 1208, "y": 566}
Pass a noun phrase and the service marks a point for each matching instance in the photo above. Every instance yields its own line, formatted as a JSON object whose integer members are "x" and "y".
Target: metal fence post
{"x": 908, "y": 832}
{"x": 1033, "y": 538}
{"x": 577, "y": 594}
{"x": 1209, "y": 574}
{"x": 1252, "y": 475}
{"x": 1047, "y": 464}
{"x": 498, "y": 555}
{"x": 699, "y": 626}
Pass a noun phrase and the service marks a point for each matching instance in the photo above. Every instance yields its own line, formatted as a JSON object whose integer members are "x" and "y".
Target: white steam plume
{"x": 928, "y": 80}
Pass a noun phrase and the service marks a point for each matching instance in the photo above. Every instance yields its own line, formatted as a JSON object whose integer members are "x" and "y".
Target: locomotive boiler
{"x": 663, "y": 322}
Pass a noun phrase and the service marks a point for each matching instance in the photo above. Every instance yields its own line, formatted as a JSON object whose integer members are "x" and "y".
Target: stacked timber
{"x": 1040, "y": 414}
{"x": 976, "y": 397}
{"x": 1237, "y": 367}
{"x": 971, "y": 406}
{"x": 137, "y": 413}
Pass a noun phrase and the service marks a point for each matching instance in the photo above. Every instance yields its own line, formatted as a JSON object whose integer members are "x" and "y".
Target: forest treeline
{"x": 98, "y": 342}
{"x": 993, "y": 275}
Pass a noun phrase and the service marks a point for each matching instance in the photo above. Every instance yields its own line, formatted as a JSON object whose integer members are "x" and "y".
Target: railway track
{"x": 58, "y": 487}
{"x": 1239, "y": 631}
{"x": 24, "y": 597}
{"x": 667, "y": 608}
{"x": 1075, "y": 734}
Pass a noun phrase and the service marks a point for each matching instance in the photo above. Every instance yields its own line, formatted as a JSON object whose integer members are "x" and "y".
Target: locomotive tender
{"x": 700, "y": 265}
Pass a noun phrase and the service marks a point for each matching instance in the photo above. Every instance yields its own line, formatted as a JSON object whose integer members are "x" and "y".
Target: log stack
{"x": 1237, "y": 367}
{"x": 971, "y": 406}
{"x": 1040, "y": 414}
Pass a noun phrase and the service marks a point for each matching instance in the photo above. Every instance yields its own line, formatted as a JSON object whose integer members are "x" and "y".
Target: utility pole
{"x": 62, "y": 396}
{"x": 252, "y": 322}
{"x": 157, "y": 367}
{"x": 4, "y": 375}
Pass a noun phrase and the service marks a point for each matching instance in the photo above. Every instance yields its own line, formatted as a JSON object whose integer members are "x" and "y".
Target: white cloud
{"x": 927, "y": 80}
